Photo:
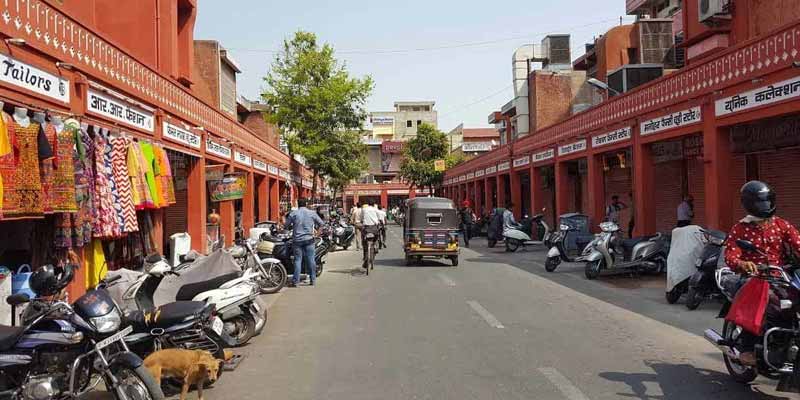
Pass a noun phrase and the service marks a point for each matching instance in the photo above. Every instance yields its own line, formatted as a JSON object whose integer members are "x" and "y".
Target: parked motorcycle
{"x": 558, "y": 249}
{"x": 268, "y": 273}
{"x": 520, "y": 236}
{"x": 65, "y": 351}
{"x": 777, "y": 347}
{"x": 703, "y": 284}
{"x": 282, "y": 250}
{"x": 609, "y": 251}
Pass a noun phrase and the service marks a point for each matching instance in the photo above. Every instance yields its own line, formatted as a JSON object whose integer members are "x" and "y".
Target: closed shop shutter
{"x": 668, "y": 185}
{"x": 176, "y": 215}
{"x": 738, "y": 178}
{"x": 697, "y": 188}
{"x": 779, "y": 170}
{"x": 618, "y": 182}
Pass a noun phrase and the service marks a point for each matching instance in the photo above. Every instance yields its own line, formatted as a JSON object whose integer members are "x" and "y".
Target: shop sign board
{"x": 470, "y": 175}
{"x": 616, "y": 136}
{"x": 768, "y": 134}
{"x": 504, "y": 166}
{"x": 218, "y": 149}
{"x": 230, "y": 187}
{"x": 472, "y": 147}
{"x": 773, "y": 93}
{"x": 382, "y": 120}
{"x": 20, "y": 74}
{"x": 491, "y": 170}
{"x": 439, "y": 165}
{"x": 242, "y": 158}
{"x": 479, "y": 173}
{"x": 397, "y": 191}
{"x": 674, "y": 120}
{"x": 572, "y": 148}
{"x": 462, "y": 178}
{"x": 259, "y": 165}
{"x": 283, "y": 174}
{"x": 391, "y": 147}
{"x": 176, "y": 134}
{"x": 544, "y": 155}
{"x": 307, "y": 183}
{"x": 120, "y": 110}
{"x": 522, "y": 161}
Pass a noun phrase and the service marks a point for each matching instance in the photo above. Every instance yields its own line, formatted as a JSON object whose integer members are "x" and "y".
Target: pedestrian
{"x": 465, "y": 221}
{"x": 631, "y": 223}
{"x": 303, "y": 222}
{"x": 355, "y": 219}
{"x": 613, "y": 209}
{"x": 382, "y": 219}
{"x": 686, "y": 211}
{"x": 370, "y": 223}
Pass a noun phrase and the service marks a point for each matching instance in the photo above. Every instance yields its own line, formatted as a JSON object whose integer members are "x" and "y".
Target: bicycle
{"x": 370, "y": 239}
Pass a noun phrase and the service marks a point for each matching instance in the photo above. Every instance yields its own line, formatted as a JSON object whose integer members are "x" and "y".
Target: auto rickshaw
{"x": 431, "y": 229}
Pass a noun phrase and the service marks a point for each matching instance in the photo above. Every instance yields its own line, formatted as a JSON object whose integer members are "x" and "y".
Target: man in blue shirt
{"x": 303, "y": 222}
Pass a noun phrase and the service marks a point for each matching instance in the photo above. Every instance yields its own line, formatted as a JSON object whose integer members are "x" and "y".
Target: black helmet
{"x": 45, "y": 282}
{"x": 758, "y": 199}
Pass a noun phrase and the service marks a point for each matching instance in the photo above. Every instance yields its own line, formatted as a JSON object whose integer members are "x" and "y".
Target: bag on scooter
{"x": 750, "y": 305}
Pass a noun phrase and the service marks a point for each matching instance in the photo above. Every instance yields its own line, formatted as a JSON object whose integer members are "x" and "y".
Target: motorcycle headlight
{"x": 564, "y": 227}
{"x": 107, "y": 323}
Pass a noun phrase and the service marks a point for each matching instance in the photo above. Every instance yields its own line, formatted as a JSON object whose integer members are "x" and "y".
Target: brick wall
{"x": 206, "y": 71}
{"x": 255, "y": 122}
{"x": 551, "y": 96}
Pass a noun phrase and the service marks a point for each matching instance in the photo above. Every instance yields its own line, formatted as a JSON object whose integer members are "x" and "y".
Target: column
{"x": 227, "y": 220}
{"x": 644, "y": 198}
{"x": 537, "y": 202}
{"x": 487, "y": 195}
{"x": 274, "y": 200}
{"x": 262, "y": 188}
{"x": 717, "y": 158}
{"x": 478, "y": 184}
{"x": 516, "y": 193}
{"x": 501, "y": 191}
{"x": 384, "y": 198}
{"x": 196, "y": 204}
{"x": 562, "y": 181}
{"x": 597, "y": 190}
{"x": 249, "y": 204}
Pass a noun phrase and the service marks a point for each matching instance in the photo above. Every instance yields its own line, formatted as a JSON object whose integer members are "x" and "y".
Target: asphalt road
{"x": 495, "y": 327}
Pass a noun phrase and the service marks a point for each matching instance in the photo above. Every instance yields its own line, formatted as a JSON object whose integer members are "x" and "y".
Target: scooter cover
{"x": 204, "y": 268}
{"x": 685, "y": 248}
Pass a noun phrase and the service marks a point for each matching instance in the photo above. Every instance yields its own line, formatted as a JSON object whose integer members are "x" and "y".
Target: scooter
{"x": 558, "y": 249}
{"x": 342, "y": 234}
{"x": 520, "y": 237}
{"x": 703, "y": 284}
{"x": 608, "y": 251}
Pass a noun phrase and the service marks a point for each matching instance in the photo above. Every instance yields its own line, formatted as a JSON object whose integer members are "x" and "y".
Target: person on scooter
{"x": 465, "y": 221}
{"x": 508, "y": 217}
{"x": 769, "y": 233}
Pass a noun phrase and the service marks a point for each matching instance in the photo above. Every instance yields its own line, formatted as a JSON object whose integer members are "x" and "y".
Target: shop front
{"x": 503, "y": 194}
{"x": 490, "y": 188}
{"x": 571, "y": 176}
{"x": 612, "y": 167}
{"x": 479, "y": 205}
{"x": 520, "y": 179}
{"x": 542, "y": 184}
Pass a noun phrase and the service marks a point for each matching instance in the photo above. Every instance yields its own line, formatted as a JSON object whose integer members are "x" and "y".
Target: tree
{"x": 319, "y": 107}
{"x": 421, "y": 152}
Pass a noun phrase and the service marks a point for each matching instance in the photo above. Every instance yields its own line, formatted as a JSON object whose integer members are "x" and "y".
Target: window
{"x": 419, "y": 122}
{"x": 409, "y": 124}
{"x": 415, "y": 108}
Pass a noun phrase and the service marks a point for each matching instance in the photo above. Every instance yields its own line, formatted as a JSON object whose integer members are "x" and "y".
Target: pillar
{"x": 274, "y": 200}
{"x": 717, "y": 158}
{"x": 249, "y": 204}
{"x": 516, "y": 193}
{"x": 262, "y": 188}
{"x": 384, "y": 198}
{"x": 478, "y": 206}
{"x": 562, "y": 190}
{"x": 644, "y": 198}
{"x": 487, "y": 194}
{"x": 597, "y": 190}
{"x": 227, "y": 221}
{"x": 196, "y": 204}
{"x": 501, "y": 191}
{"x": 537, "y": 200}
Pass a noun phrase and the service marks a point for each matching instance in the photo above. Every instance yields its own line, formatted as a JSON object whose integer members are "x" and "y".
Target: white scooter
{"x": 521, "y": 235}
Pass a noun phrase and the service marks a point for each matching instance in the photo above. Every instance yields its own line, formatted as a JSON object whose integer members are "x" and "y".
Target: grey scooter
{"x": 609, "y": 251}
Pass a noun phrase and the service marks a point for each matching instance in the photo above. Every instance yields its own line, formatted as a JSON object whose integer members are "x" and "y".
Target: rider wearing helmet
{"x": 768, "y": 232}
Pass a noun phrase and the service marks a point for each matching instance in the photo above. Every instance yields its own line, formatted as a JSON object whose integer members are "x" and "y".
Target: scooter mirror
{"x": 746, "y": 245}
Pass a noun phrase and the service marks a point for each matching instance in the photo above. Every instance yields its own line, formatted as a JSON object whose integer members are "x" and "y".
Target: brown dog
{"x": 193, "y": 367}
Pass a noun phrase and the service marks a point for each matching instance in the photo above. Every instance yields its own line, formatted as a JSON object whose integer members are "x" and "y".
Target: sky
{"x": 456, "y": 53}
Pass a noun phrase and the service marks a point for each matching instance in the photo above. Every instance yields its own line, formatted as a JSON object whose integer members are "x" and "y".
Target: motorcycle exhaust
{"x": 719, "y": 342}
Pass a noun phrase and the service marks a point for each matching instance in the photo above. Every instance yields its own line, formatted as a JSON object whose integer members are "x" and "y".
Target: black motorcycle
{"x": 342, "y": 234}
{"x": 64, "y": 351}
{"x": 703, "y": 284}
{"x": 283, "y": 251}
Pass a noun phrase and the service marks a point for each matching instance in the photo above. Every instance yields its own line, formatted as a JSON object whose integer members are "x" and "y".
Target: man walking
{"x": 303, "y": 222}
{"x": 370, "y": 223}
{"x": 686, "y": 211}
{"x": 613, "y": 209}
{"x": 466, "y": 221}
{"x": 383, "y": 221}
{"x": 355, "y": 219}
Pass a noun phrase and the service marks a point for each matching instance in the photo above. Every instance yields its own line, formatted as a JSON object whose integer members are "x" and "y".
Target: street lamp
{"x": 602, "y": 86}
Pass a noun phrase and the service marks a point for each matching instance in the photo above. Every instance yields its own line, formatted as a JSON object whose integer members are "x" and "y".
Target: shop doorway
{"x": 618, "y": 181}
{"x": 577, "y": 199}
{"x": 678, "y": 172}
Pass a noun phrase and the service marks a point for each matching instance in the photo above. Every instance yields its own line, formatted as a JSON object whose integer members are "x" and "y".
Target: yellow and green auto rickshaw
{"x": 431, "y": 229}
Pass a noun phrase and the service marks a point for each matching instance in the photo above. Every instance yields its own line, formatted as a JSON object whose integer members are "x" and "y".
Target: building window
{"x": 419, "y": 122}
{"x": 409, "y": 124}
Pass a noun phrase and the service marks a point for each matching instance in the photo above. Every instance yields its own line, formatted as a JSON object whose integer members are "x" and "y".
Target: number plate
{"x": 113, "y": 338}
{"x": 216, "y": 325}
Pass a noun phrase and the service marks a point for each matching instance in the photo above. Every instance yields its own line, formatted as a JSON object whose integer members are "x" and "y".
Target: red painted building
{"x": 729, "y": 116}
{"x": 140, "y": 55}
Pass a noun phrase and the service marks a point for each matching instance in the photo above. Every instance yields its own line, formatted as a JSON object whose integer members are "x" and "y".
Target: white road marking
{"x": 446, "y": 279}
{"x": 487, "y": 316}
{"x": 563, "y": 384}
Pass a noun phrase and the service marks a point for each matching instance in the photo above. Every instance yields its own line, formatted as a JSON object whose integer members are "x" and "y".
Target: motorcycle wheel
{"x": 135, "y": 384}
{"x": 675, "y": 294}
{"x": 694, "y": 298}
{"x": 592, "y": 269}
{"x": 552, "y": 263}
{"x": 275, "y": 280}
{"x": 738, "y": 372}
{"x": 491, "y": 243}
{"x": 319, "y": 269}
{"x": 242, "y": 328}
{"x": 512, "y": 244}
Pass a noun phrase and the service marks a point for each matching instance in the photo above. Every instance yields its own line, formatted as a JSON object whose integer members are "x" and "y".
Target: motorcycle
{"x": 558, "y": 249}
{"x": 282, "y": 251}
{"x": 342, "y": 234}
{"x": 269, "y": 274}
{"x": 608, "y": 251}
{"x": 65, "y": 351}
{"x": 520, "y": 236}
{"x": 702, "y": 284}
{"x": 777, "y": 348}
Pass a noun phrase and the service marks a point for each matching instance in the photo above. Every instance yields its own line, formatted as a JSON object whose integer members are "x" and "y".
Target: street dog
{"x": 192, "y": 367}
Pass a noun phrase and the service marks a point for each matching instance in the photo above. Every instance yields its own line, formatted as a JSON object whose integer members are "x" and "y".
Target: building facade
{"x": 402, "y": 123}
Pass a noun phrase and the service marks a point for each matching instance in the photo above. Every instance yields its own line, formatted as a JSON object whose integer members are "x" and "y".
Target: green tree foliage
{"x": 421, "y": 152}
{"x": 319, "y": 107}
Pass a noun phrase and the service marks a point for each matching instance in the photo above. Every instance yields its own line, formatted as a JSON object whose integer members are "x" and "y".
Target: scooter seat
{"x": 190, "y": 290}
{"x": 9, "y": 336}
{"x": 164, "y": 316}
{"x": 628, "y": 244}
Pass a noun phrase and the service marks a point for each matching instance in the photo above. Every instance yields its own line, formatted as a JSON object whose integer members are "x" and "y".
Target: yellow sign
{"x": 438, "y": 165}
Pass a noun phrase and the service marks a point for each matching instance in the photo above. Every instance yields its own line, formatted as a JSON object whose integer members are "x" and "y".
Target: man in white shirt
{"x": 355, "y": 219}
{"x": 370, "y": 222}
{"x": 686, "y": 211}
{"x": 382, "y": 217}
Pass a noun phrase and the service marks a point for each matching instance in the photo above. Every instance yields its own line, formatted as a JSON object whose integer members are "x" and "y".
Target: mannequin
{"x": 21, "y": 116}
{"x": 57, "y": 123}
{"x": 40, "y": 117}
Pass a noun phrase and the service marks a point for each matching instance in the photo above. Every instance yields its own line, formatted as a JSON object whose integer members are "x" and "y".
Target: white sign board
{"x": 217, "y": 149}
{"x": 674, "y": 120}
{"x": 272, "y": 169}
{"x": 117, "y": 109}
{"x": 522, "y": 161}
{"x": 472, "y": 147}
{"x": 17, "y": 73}
{"x": 176, "y": 134}
{"x": 470, "y": 175}
{"x": 242, "y": 158}
{"x": 259, "y": 165}
{"x": 544, "y": 155}
{"x": 479, "y": 173}
{"x": 572, "y": 148}
{"x": 779, "y": 91}
{"x": 503, "y": 166}
{"x": 619, "y": 135}
{"x": 491, "y": 170}
{"x": 382, "y": 120}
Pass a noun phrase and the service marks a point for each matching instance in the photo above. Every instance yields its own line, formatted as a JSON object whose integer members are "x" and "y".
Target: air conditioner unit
{"x": 708, "y": 10}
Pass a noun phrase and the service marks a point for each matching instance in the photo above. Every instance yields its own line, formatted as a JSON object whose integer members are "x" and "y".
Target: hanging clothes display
{"x": 6, "y": 152}
{"x": 105, "y": 224}
{"x": 148, "y": 157}
{"x": 139, "y": 190}
{"x": 46, "y": 170}
{"x": 75, "y": 229}
{"x": 165, "y": 175}
{"x": 30, "y": 147}
{"x": 123, "y": 183}
{"x": 63, "y": 185}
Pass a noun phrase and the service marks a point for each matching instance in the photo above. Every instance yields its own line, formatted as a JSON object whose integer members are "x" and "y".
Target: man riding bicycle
{"x": 370, "y": 221}
{"x": 382, "y": 218}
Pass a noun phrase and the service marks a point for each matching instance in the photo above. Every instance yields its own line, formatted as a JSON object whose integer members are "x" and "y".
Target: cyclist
{"x": 370, "y": 223}
{"x": 382, "y": 218}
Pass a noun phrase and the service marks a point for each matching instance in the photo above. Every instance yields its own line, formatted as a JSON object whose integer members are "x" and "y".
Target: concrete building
{"x": 215, "y": 73}
{"x": 402, "y": 123}
{"x": 473, "y": 141}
